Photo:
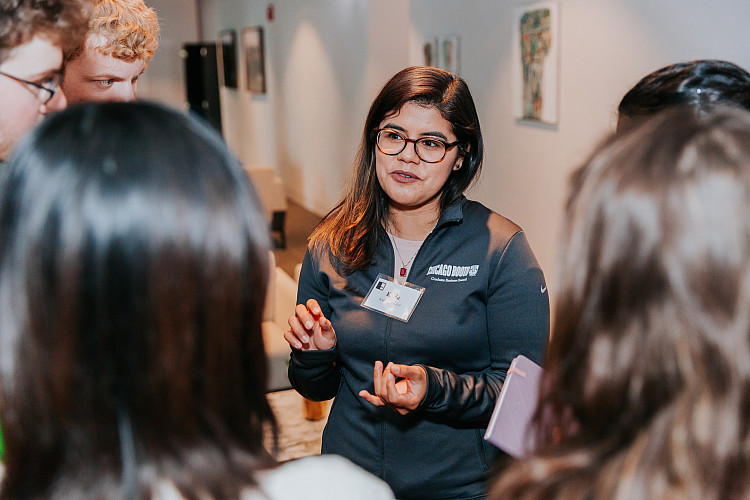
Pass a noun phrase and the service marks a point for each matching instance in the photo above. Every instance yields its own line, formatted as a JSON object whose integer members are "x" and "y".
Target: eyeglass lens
{"x": 46, "y": 89}
{"x": 391, "y": 142}
{"x": 49, "y": 87}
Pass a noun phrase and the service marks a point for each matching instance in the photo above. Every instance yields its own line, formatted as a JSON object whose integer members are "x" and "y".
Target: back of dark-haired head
{"x": 699, "y": 85}
{"x": 352, "y": 228}
{"x": 649, "y": 362}
{"x": 63, "y": 22}
{"x": 133, "y": 269}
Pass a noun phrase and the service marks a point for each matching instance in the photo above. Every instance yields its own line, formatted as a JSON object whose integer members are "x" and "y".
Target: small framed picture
{"x": 536, "y": 49}
{"x": 252, "y": 47}
{"x": 429, "y": 50}
{"x": 448, "y": 53}
{"x": 228, "y": 45}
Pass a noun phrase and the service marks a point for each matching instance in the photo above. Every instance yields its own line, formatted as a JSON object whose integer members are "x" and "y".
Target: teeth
{"x": 405, "y": 175}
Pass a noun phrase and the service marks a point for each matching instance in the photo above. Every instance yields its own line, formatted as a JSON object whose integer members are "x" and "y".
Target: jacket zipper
{"x": 388, "y": 325}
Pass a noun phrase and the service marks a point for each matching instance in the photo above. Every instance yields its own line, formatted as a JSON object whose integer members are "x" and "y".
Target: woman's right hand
{"x": 309, "y": 330}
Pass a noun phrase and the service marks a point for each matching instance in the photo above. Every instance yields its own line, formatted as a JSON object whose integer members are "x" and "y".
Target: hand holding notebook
{"x": 509, "y": 427}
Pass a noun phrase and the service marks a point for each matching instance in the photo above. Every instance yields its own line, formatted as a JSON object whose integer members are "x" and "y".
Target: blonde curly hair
{"x": 125, "y": 29}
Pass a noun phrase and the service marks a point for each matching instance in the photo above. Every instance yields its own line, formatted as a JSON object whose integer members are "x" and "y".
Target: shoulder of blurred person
{"x": 323, "y": 477}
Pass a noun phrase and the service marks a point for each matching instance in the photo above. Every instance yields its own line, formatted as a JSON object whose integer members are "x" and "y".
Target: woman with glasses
{"x": 413, "y": 300}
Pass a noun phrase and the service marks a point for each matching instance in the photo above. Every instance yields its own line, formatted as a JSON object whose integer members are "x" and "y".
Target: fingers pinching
{"x": 325, "y": 323}
{"x": 313, "y": 307}
{"x": 304, "y": 316}
{"x": 374, "y": 400}
{"x": 292, "y": 339}
{"x": 377, "y": 375}
{"x": 298, "y": 330}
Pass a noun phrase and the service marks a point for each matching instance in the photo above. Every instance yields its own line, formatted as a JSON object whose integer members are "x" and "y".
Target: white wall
{"x": 163, "y": 80}
{"x": 328, "y": 58}
{"x": 325, "y": 61}
{"x": 606, "y": 46}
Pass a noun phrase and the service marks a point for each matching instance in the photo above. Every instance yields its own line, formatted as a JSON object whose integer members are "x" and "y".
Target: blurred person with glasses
{"x": 46, "y": 87}
{"x": 414, "y": 300}
{"x": 33, "y": 37}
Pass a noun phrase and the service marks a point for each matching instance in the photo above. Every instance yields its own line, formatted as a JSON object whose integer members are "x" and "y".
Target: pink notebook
{"x": 509, "y": 425}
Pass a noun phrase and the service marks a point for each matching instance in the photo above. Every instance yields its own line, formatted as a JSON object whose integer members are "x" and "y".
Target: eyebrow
{"x": 424, "y": 134}
{"x": 45, "y": 74}
{"x": 106, "y": 76}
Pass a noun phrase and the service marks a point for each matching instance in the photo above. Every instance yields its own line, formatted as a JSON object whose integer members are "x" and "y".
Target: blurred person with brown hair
{"x": 132, "y": 287}
{"x": 648, "y": 372}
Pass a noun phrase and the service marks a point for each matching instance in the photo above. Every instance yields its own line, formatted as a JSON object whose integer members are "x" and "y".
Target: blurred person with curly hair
{"x": 122, "y": 37}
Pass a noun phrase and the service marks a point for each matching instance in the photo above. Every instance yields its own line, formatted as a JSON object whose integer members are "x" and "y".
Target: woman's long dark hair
{"x": 352, "y": 229}
{"x": 133, "y": 270}
{"x": 648, "y": 386}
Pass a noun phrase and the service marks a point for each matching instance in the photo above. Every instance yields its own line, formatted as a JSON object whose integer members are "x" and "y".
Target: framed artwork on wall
{"x": 228, "y": 46}
{"x": 536, "y": 49}
{"x": 429, "y": 50}
{"x": 448, "y": 53}
{"x": 252, "y": 48}
{"x": 442, "y": 52}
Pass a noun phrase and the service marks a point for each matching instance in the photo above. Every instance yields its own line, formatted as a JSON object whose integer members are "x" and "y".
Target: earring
{"x": 457, "y": 166}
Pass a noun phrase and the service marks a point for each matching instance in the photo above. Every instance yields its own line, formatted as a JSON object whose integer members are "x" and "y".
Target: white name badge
{"x": 394, "y": 299}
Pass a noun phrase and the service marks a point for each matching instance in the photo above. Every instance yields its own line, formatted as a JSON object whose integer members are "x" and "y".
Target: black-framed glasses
{"x": 429, "y": 149}
{"x": 46, "y": 90}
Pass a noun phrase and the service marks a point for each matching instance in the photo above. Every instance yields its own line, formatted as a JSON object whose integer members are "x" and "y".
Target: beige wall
{"x": 163, "y": 79}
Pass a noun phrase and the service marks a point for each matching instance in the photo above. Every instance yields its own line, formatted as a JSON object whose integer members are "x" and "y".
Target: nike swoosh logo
{"x": 544, "y": 289}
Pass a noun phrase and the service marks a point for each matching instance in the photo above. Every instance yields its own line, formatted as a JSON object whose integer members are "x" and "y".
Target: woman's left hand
{"x": 401, "y": 387}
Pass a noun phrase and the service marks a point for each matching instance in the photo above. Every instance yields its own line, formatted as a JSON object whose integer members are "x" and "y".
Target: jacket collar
{"x": 452, "y": 213}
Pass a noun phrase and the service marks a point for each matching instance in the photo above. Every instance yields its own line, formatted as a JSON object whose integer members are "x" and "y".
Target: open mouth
{"x": 405, "y": 175}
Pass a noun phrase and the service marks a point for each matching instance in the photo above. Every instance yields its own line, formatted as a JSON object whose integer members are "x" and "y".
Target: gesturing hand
{"x": 401, "y": 387}
{"x": 309, "y": 330}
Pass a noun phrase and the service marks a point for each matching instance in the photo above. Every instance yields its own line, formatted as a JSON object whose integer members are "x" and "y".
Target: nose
{"x": 58, "y": 102}
{"x": 409, "y": 153}
{"x": 128, "y": 94}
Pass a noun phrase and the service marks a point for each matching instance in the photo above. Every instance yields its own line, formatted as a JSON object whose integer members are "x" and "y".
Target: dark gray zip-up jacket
{"x": 485, "y": 302}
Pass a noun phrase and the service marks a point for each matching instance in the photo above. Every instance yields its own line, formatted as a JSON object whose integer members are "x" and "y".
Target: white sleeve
{"x": 325, "y": 477}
